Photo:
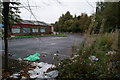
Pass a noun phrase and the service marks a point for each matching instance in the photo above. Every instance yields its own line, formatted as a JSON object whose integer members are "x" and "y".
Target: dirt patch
{"x": 14, "y": 66}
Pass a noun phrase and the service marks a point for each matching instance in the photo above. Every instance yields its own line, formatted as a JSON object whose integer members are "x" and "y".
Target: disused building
{"x": 29, "y": 27}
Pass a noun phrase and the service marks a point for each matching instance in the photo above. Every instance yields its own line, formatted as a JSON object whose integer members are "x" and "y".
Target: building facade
{"x": 28, "y": 27}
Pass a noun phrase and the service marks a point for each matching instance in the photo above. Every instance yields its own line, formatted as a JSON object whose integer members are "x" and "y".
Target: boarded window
{"x": 34, "y": 30}
{"x": 42, "y": 29}
{"x": 26, "y": 30}
{"x": 15, "y": 30}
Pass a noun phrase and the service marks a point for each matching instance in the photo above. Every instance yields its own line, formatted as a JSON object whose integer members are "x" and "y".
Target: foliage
{"x": 75, "y": 26}
{"x": 14, "y": 12}
{"x": 84, "y": 22}
{"x": 83, "y": 68}
{"x": 109, "y": 11}
{"x": 68, "y": 23}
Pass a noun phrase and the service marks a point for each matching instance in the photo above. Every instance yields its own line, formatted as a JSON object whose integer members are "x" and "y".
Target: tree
{"x": 6, "y": 22}
{"x": 63, "y": 25}
{"x": 56, "y": 28}
{"x": 68, "y": 16}
{"x": 109, "y": 12}
{"x": 67, "y": 25}
{"x": 9, "y": 15}
{"x": 84, "y": 22}
{"x": 75, "y": 26}
{"x": 13, "y": 15}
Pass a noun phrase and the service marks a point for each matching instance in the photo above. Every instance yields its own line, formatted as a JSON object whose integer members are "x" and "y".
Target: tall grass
{"x": 103, "y": 46}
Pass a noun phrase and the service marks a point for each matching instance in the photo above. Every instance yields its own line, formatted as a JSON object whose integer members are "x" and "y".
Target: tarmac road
{"x": 48, "y": 47}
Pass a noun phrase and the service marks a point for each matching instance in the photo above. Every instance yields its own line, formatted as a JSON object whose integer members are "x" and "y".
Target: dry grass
{"x": 107, "y": 66}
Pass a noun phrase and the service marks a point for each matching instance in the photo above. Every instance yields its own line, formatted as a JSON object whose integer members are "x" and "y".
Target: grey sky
{"x": 49, "y": 10}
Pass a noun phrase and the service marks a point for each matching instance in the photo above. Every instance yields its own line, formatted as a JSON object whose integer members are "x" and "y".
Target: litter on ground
{"x": 52, "y": 74}
{"x": 93, "y": 58}
{"x": 32, "y": 57}
{"x": 19, "y": 59}
{"x": 55, "y": 54}
{"x": 110, "y": 53}
{"x": 74, "y": 56}
{"x": 40, "y": 71}
{"x": 53, "y": 43}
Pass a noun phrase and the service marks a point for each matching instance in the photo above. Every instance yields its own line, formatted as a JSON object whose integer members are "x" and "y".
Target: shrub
{"x": 102, "y": 46}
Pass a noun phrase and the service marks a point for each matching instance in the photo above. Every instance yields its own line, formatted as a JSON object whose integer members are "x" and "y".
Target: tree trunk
{"x": 5, "y": 14}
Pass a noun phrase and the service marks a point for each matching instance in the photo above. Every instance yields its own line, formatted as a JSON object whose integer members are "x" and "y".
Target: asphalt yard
{"x": 50, "y": 49}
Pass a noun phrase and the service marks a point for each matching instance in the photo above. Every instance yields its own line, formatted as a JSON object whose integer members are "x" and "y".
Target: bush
{"x": 102, "y": 46}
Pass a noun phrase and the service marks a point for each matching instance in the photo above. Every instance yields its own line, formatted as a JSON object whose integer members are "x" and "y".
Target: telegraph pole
{"x": 5, "y": 14}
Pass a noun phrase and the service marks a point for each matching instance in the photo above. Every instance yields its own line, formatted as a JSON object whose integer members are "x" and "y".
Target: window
{"x": 15, "y": 30}
{"x": 42, "y": 29}
{"x": 34, "y": 30}
{"x": 26, "y": 30}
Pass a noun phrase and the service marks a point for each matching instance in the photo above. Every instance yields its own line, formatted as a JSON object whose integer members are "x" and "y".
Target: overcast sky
{"x": 50, "y": 10}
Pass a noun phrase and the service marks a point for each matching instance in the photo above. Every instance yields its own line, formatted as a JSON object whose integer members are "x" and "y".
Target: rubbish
{"x": 52, "y": 74}
{"x": 40, "y": 72}
{"x": 53, "y": 57}
{"x": 110, "y": 52}
{"x": 74, "y": 60}
{"x": 44, "y": 55}
{"x": 117, "y": 63}
{"x": 45, "y": 66}
{"x": 15, "y": 77}
{"x": 41, "y": 64}
{"x": 53, "y": 66}
{"x": 19, "y": 59}
{"x": 53, "y": 43}
{"x": 11, "y": 54}
{"x": 16, "y": 74}
{"x": 55, "y": 54}
{"x": 93, "y": 58}
{"x": 36, "y": 54}
{"x": 75, "y": 56}
{"x": 33, "y": 57}
{"x": 24, "y": 77}
{"x": 21, "y": 71}
{"x": 34, "y": 64}
{"x": 78, "y": 49}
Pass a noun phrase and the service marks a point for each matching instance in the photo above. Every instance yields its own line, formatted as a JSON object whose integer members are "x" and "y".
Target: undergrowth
{"x": 103, "y": 46}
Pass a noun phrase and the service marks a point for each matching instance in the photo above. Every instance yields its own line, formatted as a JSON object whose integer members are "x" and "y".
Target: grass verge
{"x": 43, "y": 35}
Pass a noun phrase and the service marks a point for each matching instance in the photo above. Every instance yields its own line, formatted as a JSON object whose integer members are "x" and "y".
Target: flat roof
{"x": 34, "y": 22}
